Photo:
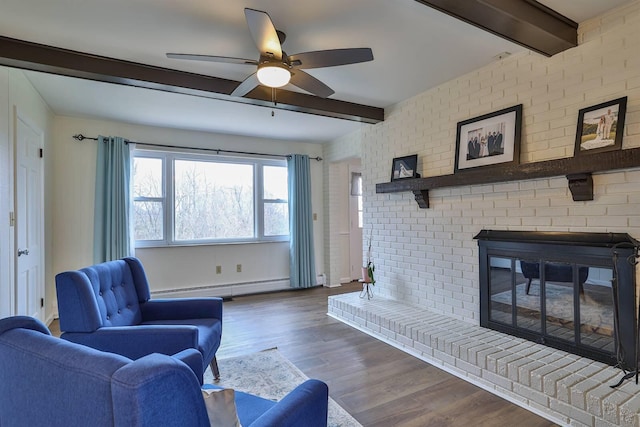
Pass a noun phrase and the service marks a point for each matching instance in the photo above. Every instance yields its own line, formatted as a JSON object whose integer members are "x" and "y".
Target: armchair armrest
{"x": 137, "y": 341}
{"x": 23, "y": 322}
{"x": 157, "y": 390}
{"x": 306, "y": 405}
{"x": 193, "y": 359}
{"x": 182, "y": 308}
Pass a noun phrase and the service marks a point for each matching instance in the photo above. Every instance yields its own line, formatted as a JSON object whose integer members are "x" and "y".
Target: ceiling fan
{"x": 275, "y": 67}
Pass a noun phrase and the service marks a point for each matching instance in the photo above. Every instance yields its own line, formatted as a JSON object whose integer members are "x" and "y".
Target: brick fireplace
{"x": 555, "y": 358}
{"x": 570, "y": 291}
{"x": 426, "y": 298}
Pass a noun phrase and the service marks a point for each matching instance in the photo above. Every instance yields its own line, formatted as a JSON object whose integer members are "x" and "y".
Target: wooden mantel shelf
{"x": 578, "y": 171}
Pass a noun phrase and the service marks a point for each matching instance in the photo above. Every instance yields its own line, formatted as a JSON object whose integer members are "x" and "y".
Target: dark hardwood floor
{"x": 376, "y": 383}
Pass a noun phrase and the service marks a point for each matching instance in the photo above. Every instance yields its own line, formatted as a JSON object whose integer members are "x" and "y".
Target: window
{"x": 182, "y": 199}
{"x": 275, "y": 196}
{"x": 148, "y": 194}
{"x": 356, "y": 191}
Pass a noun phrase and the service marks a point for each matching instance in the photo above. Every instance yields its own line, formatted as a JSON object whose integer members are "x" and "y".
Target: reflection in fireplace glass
{"x": 596, "y": 310}
{"x": 523, "y": 281}
{"x": 558, "y": 294}
{"x": 528, "y": 300}
{"x": 501, "y": 295}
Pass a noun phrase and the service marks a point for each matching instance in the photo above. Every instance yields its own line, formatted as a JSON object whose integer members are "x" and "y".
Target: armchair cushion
{"x": 305, "y": 406}
{"x": 209, "y": 333}
{"x": 138, "y": 341}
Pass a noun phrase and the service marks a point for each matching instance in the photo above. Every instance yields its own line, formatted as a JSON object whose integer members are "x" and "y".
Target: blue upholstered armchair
{"x": 46, "y": 381}
{"x": 107, "y": 306}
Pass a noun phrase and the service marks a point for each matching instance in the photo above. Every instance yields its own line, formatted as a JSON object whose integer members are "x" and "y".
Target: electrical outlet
{"x": 218, "y": 269}
{"x": 315, "y": 216}
{"x": 239, "y": 268}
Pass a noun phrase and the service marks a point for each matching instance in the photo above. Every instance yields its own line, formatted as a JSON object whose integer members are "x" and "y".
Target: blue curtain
{"x": 112, "y": 236}
{"x": 301, "y": 253}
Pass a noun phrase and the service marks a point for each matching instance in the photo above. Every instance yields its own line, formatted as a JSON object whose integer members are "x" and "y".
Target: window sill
{"x": 182, "y": 245}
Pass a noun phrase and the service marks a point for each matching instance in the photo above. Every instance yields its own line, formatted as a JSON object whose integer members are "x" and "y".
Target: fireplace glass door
{"x": 559, "y": 300}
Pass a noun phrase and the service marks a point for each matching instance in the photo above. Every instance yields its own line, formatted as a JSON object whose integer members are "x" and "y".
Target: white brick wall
{"x": 428, "y": 258}
{"x": 429, "y": 255}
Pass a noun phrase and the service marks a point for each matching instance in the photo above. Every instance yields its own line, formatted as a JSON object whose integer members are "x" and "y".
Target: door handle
{"x": 23, "y": 252}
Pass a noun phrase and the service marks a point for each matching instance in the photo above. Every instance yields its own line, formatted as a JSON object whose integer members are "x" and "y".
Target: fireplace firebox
{"x": 571, "y": 291}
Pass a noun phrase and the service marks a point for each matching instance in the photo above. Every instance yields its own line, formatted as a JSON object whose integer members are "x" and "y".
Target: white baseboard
{"x": 225, "y": 291}
{"x": 332, "y": 285}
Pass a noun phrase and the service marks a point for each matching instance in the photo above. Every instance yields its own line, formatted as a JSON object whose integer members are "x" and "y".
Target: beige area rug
{"x": 270, "y": 375}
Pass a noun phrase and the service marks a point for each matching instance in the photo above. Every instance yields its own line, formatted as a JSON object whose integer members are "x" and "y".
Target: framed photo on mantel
{"x": 491, "y": 139}
{"x": 404, "y": 167}
{"x": 600, "y": 127}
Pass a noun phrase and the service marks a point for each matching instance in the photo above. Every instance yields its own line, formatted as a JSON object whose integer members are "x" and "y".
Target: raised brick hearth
{"x": 565, "y": 388}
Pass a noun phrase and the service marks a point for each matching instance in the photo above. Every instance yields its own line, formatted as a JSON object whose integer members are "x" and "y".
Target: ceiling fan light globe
{"x": 273, "y": 75}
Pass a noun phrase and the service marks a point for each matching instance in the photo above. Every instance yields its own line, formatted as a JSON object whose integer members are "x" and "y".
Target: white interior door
{"x": 28, "y": 203}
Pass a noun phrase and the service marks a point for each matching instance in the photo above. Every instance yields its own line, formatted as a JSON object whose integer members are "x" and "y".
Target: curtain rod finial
{"x": 79, "y": 137}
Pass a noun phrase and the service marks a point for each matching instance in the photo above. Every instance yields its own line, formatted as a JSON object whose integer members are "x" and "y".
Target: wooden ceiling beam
{"x": 38, "y": 57}
{"x": 525, "y": 22}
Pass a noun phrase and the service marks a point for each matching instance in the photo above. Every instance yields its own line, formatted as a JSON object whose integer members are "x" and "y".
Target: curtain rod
{"x": 81, "y": 137}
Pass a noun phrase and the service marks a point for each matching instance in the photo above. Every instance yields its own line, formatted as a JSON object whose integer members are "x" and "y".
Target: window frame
{"x": 263, "y": 201}
{"x": 168, "y": 197}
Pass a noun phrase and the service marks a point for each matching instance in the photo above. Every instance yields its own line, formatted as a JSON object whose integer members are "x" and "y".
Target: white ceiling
{"x": 415, "y": 48}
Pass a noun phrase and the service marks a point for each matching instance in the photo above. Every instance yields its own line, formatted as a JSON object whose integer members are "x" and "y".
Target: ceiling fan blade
{"x": 211, "y": 58}
{"x": 246, "y": 86}
{"x": 331, "y": 58}
{"x": 309, "y": 83}
{"x": 264, "y": 33}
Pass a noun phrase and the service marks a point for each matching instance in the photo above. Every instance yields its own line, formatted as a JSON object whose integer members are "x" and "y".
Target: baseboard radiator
{"x": 225, "y": 290}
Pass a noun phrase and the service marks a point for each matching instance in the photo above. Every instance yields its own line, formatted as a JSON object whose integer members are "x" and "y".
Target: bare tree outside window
{"x": 276, "y": 195}
{"x": 213, "y": 200}
{"x": 148, "y": 198}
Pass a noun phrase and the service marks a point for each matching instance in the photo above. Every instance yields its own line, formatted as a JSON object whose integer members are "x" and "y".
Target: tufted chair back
{"x": 554, "y": 272}
{"x": 106, "y": 294}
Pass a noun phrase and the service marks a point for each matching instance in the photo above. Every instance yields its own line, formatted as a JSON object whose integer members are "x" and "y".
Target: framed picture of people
{"x": 404, "y": 167}
{"x": 491, "y": 139}
{"x": 600, "y": 127}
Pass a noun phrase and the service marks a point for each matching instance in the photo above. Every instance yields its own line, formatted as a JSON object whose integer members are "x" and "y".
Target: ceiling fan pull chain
{"x": 273, "y": 99}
